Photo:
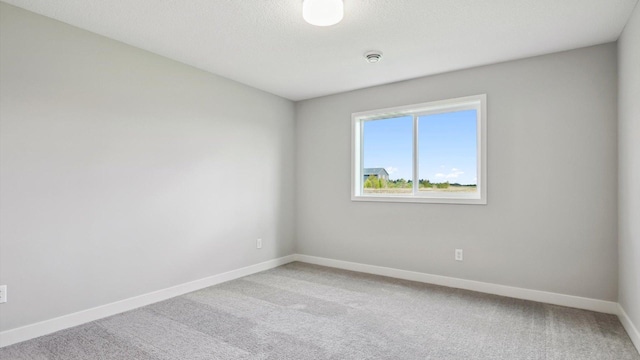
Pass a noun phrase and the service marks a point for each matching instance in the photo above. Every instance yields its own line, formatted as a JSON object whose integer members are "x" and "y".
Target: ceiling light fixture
{"x": 373, "y": 56}
{"x": 322, "y": 12}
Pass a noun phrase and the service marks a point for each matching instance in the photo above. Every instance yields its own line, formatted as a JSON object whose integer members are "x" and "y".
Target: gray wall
{"x": 551, "y": 219}
{"x": 629, "y": 167}
{"x": 122, "y": 172}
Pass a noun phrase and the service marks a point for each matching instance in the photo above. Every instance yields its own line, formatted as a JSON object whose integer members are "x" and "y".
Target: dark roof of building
{"x": 375, "y": 171}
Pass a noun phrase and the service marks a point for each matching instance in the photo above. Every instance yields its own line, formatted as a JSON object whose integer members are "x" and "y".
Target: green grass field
{"x": 450, "y": 189}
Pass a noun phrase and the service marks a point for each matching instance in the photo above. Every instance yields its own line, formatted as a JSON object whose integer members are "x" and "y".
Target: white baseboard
{"x": 32, "y": 331}
{"x": 64, "y": 322}
{"x": 608, "y": 307}
{"x": 602, "y": 306}
{"x": 632, "y": 330}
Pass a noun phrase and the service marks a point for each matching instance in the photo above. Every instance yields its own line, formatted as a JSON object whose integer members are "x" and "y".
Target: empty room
{"x": 320, "y": 179}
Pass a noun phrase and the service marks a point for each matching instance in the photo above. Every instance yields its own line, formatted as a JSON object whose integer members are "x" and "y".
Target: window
{"x": 432, "y": 152}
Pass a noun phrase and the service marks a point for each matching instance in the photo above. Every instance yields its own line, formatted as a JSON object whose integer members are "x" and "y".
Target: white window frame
{"x": 475, "y": 102}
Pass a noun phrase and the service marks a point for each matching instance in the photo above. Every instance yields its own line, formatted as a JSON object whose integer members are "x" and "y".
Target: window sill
{"x": 420, "y": 199}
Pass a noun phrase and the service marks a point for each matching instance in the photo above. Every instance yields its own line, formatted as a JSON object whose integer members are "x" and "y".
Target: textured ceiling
{"x": 267, "y": 44}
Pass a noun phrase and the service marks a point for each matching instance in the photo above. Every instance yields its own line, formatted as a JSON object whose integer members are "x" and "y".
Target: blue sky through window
{"x": 388, "y": 144}
{"x": 447, "y": 146}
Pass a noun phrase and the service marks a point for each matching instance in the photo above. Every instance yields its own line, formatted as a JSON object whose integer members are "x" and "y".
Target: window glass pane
{"x": 387, "y": 156}
{"x": 447, "y": 153}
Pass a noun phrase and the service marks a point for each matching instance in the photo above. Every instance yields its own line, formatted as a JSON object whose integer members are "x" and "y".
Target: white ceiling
{"x": 267, "y": 44}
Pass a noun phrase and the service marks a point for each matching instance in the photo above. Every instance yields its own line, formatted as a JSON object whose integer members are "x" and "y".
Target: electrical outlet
{"x": 3, "y": 293}
{"x": 458, "y": 255}
{"x": 259, "y": 244}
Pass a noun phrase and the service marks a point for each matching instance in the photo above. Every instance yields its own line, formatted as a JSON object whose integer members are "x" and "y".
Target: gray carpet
{"x": 301, "y": 311}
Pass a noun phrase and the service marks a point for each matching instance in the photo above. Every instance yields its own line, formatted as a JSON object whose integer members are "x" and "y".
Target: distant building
{"x": 380, "y": 173}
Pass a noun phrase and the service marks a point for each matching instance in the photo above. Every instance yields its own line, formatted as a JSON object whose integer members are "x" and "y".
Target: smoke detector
{"x": 373, "y": 56}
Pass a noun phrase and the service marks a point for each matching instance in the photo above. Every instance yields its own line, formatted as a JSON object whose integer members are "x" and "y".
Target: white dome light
{"x": 322, "y": 12}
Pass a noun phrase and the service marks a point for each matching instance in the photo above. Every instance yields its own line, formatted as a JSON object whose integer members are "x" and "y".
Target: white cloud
{"x": 391, "y": 169}
{"x": 454, "y": 174}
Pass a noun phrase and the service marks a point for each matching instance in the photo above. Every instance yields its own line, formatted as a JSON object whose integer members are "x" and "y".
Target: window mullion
{"x": 361, "y": 160}
{"x": 415, "y": 181}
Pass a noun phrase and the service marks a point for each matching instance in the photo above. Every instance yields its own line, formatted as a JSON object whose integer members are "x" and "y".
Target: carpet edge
{"x": 603, "y": 306}
{"x": 628, "y": 325}
{"x": 32, "y": 331}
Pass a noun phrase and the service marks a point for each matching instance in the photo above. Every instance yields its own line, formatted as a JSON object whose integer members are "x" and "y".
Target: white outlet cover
{"x": 3, "y": 293}
{"x": 458, "y": 255}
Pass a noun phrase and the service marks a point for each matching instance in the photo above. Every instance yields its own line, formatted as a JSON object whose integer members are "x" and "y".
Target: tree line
{"x": 373, "y": 182}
